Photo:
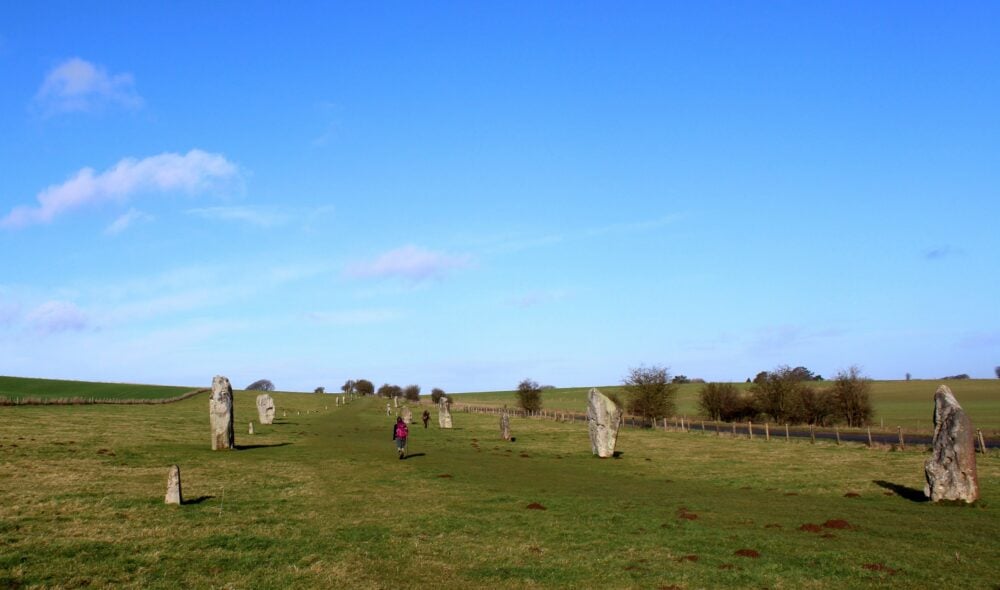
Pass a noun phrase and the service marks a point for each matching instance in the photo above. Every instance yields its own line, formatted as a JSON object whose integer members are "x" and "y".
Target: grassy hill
{"x": 13, "y": 387}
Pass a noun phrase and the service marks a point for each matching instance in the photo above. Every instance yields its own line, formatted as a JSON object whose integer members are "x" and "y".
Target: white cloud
{"x": 353, "y": 317}
{"x": 410, "y": 262}
{"x": 125, "y": 220}
{"x": 255, "y": 216}
{"x": 57, "y": 316}
{"x": 76, "y": 85}
{"x": 195, "y": 171}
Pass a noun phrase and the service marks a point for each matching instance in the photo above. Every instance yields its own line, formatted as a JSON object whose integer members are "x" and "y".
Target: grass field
{"x": 909, "y": 404}
{"x": 14, "y": 387}
{"x": 319, "y": 500}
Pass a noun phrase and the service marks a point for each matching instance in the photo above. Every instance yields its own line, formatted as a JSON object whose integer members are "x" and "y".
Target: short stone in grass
{"x": 174, "y": 486}
{"x": 505, "y": 425}
{"x": 444, "y": 413}
{"x": 951, "y": 469}
{"x": 603, "y": 419}
{"x": 220, "y": 412}
{"x": 407, "y": 415}
{"x": 250, "y": 430}
{"x": 265, "y": 409}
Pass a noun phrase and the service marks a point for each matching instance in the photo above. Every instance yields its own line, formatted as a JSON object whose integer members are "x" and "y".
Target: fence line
{"x": 87, "y": 401}
{"x": 898, "y": 439}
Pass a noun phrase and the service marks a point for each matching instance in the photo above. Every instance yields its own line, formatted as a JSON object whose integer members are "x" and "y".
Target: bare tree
{"x": 778, "y": 394}
{"x": 436, "y": 394}
{"x": 529, "y": 395}
{"x": 650, "y": 392}
{"x": 348, "y": 386}
{"x": 852, "y": 392}
{"x": 723, "y": 401}
{"x": 261, "y": 385}
{"x": 412, "y": 393}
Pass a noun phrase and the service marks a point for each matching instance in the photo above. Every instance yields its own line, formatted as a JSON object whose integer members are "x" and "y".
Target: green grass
{"x": 319, "y": 500}
{"x": 13, "y": 387}
{"x": 909, "y": 404}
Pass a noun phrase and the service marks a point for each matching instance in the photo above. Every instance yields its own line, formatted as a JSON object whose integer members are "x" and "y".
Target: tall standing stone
{"x": 174, "y": 486}
{"x": 407, "y": 415}
{"x": 265, "y": 409}
{"x": 505, "y": 425}
{"x": 220, "y": 411}
{"x": 951, "y": 468}
{"x": 603, "y": 419}
{"x": 444, "y": 414}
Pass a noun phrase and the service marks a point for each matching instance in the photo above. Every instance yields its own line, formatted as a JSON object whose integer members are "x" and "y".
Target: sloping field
{"x": 909, "y": 404}
{"x": 22, "y": 387}
{"x": 319, "y": 500}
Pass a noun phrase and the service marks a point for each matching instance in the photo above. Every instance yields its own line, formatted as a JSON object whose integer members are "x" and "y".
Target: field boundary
{"x": 762, "y": 431}
{"x": 87, "y": 401}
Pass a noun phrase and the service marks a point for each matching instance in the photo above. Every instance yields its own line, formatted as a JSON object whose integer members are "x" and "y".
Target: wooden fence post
{"x": 787, "y": 438}
{"x": 870, "y": 437}
{"x": 767, "y": 433}
{"x": 982, "y": 443}
{"x": 899, "y": 430}
{"x": 734, "y": 430}
{"x": 837, "y": 432}
{"x": 717, "y": 431}
{"x": 812, "y": 434}
{"x": 750, "y": 429}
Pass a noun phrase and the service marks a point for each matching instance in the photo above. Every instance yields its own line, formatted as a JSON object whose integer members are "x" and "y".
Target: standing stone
{"x": 220, "y": 410}
{"x": 251, "y": 428}
{"x": 407, "y": 415}
{"x": 265, "y": 409}
{"x": 603, "y": 419}
{"x": 174, "y": 486}
{"x": 951, "y": 468}
{"x": 444, "y": 414}
{"x": 505, "y": 425}
{"x": 395, "y": 401}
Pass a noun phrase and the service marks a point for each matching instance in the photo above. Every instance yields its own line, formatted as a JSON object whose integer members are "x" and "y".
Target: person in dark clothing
{"x": 399, "y": 433}
{"x": 426, "y": 417}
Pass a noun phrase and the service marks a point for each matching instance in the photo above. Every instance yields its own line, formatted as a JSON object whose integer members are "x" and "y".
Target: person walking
{"x": 399, "y": 433}
{"x": 426, "y": 417}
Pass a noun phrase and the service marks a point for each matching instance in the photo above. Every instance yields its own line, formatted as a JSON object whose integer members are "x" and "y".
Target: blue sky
{"x": 462, "y": 195}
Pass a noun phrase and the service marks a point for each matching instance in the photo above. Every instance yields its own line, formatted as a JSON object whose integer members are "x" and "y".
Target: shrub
{"x": 852, "y": 394}
{"x": 348, "y": 386}
{"x": 997, "y": 371}
{"x": 779, "y": 394}
{"x": 260, "y": 385}
{"x": 718, "y": 401}
{"x": 959, "y": 376}
{"x": 650, "y": 393}
{"x": 364, "y": 387}
{"x": 412, "y": 393}
{"x": 436, "y": 394}
{"x": 319, "y": 390}
{"x": 529, "y": 395}
{"x": 680, "y": 379}
{"x": 386, "y": 390}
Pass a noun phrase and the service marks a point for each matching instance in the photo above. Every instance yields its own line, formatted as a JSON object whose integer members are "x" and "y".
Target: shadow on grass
{"x": 905, "y": 492}
{"x": 197, "y": 500}
{"x": 414, "y": 455}
{"x": 249, "y": 447}
{"x": 618, "y": 454}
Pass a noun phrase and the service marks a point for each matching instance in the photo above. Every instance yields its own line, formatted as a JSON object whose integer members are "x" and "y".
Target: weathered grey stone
{"x": 251, "y": 428}
{"x": 174, "y": 487}
{"x": 444, "y": 414}
{"x": 220, "y": 411}
{"x": 407, "y": 415}
{"x": 265, "y": 409}
{"x": 951, "y": 468}
{"x": 603, "y": 419}
{"x": 395, "y": 401}
{"x": 505, "y": 425}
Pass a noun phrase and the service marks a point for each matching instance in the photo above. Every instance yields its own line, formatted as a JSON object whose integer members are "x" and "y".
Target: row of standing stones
{"x": 950, "y": 471}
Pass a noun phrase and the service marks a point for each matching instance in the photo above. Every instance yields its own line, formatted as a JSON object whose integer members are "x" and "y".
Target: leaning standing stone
{"x": 505, "y": 425}
{"x": 603, "y": 419}
{"x": 265, "y": 409}
{"x": 174, "y": 486}
{"x": 951, "y": 468}
{"x": 444, "y": 414}
{"x": 407, "y": 415}
{"x": 220, "y": 410}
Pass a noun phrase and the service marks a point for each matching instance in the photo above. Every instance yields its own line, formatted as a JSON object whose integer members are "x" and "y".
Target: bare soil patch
{"x": 536, "y": 506}
{"x": 751, "y": 553}
{"x": 811, "y": 528}
{"x": 879, "y": 567}
{"x": 837, "y": 523}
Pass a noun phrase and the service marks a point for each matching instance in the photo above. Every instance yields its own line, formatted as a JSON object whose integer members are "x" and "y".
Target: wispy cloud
{"x": 940, "y": 252}
{"x": 517, "y": 243}
{"x": 354, "y": 317}
{"x": 193, "y": 172}
{"x": 410, "y": 262}
{"x": 125, "y": 220}
{"x": 57, "y": 316}
{"x": 255, "y": 216}
{"x": 77, "y": 85}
